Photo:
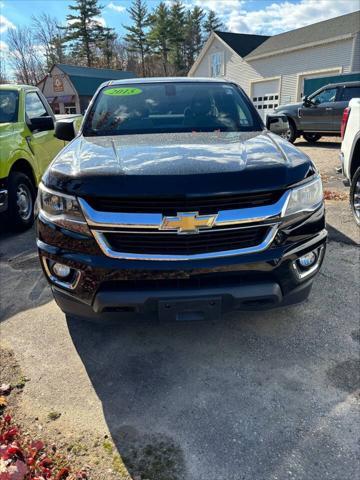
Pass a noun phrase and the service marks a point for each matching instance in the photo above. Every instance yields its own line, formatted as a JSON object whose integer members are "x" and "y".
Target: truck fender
{"x": 355, "y": 155}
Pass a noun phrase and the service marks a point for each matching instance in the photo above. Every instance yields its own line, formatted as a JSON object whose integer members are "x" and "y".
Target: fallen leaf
{"x": 3, "y": 401}
{"x": 18, "y": 470}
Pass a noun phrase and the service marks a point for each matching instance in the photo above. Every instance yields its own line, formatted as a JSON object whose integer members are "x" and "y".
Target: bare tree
{"x": 3, "y": 76}
{"x": 50, "y": 36}
{"x": 24, "y": 56}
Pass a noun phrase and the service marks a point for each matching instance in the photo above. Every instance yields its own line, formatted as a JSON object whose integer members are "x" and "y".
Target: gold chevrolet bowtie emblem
{"x": 188, "y": 222}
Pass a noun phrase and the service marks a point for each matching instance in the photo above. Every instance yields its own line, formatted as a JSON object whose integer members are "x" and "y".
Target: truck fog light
{"x": 307, "y": 260}
{"x": 60, "y": 270}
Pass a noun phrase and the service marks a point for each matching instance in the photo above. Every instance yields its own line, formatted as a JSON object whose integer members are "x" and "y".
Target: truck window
{"x": 350, "y": 92}
{"x": 9, "y": 101}
{"x": 170, "y": 107}
{"x": 34, "y": 107}
{"x": 327, "y": 95}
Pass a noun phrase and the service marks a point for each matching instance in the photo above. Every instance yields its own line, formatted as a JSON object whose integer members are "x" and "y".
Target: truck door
{"x": 318, "y": 115}
{"x": 43, "y": 145}
{"x": 346, "y": 93}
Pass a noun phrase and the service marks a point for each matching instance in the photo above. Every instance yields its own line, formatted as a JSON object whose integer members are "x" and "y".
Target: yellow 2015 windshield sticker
{"x": 122, "y": 92}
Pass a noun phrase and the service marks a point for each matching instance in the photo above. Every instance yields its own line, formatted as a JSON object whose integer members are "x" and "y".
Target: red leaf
{"x": 64, "y": 472}
{"x": 46, "y": 462}
{"x": 18, "y": 470}
{"x": 37, "y": 445}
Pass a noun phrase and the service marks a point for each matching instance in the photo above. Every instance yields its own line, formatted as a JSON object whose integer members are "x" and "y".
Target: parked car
{"x": 28, "y": 144}
{"x": 175, "y": 201}
{"x": 320, "y": 113}
{"x": 350, "y": 153}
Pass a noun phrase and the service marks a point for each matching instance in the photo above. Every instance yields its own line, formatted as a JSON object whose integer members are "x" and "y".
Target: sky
{"x": 267, "y": 17}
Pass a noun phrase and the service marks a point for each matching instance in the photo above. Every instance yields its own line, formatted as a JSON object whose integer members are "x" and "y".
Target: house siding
{"x": 289, "y": 66}
{"x": 355, "y": 64}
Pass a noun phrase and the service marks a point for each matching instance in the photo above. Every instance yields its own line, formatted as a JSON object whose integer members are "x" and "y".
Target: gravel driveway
{"x": 255, "y": 396}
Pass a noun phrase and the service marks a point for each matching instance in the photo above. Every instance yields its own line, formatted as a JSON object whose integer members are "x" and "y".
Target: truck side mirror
{"x": 41, "y": 124}
{"x": 64, "y": 130}
{"x": 277, "y": 123}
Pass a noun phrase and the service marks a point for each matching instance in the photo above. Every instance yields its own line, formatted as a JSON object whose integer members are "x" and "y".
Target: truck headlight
{"x": 61, "y": 209}
{"x": 306, "y": 198}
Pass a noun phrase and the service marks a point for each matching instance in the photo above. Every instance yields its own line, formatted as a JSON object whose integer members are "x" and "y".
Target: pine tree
{"x": 137, "y": 37}
{"x": 107, "y": 45}
{"x": 212, "y": 23}
{"x": 177, "y": 37}
{"x": 83, "y": 29}
{"x": 160, "y": 32}
{"x": 193, "y": 37}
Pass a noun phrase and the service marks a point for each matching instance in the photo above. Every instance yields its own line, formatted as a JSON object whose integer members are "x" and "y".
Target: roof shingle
{"x": 86, "y": 80}
{"x": 317, "y": 32}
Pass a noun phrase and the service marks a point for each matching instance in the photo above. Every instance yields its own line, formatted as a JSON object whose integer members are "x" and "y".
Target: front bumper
{"x": 182, "y": 289}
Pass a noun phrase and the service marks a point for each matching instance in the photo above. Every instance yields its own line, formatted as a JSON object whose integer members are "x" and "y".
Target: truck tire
{"x": 291, "y": 133}
{"x": 311, "y": 137}
{"x": 21, "y": 201}
{"x": 355, "y": 196}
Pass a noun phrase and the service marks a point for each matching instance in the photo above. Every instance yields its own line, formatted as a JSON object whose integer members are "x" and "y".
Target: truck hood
{"x": 177, "y": 163}
{"x": 293, "y": 107}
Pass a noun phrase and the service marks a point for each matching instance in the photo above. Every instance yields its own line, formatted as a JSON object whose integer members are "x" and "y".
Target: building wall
{"x": 333, "y": 57}
{"x": 49, "y": 90}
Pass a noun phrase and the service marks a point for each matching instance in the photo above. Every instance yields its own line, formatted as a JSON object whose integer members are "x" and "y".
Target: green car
{"x": 27, "y": 146}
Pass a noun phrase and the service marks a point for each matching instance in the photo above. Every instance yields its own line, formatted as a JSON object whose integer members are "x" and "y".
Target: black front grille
{"x": 174, "y": 244}
{"x": 173, "y": 205}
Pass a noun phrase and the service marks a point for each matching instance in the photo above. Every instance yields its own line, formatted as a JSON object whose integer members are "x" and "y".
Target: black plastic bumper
{"x": 181, "y": 304}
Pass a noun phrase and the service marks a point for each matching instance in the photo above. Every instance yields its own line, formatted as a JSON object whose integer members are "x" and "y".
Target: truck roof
{"x": 342, "y": 84}
{"x": 167, "y": 80}
{"x": 17, "y": 86}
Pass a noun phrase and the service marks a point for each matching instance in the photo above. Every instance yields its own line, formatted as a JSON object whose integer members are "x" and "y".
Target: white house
{"x": 272, "y": 70}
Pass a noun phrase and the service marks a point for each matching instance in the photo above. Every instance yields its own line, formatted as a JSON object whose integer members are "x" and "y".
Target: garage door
{"x": 265, "y": 96}
{"x": 302, "y": 79}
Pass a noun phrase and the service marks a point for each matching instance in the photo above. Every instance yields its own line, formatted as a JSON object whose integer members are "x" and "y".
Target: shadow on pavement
{"x": 336, "y": 235}
{"x": 331, "y": 145}
{"x": 201, "y": 400}
{"x": 168, "y": 395}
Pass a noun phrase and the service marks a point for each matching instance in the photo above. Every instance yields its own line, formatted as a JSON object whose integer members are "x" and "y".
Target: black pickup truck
{"x": 320, "y": 113}
{"x": 175, "y": 201}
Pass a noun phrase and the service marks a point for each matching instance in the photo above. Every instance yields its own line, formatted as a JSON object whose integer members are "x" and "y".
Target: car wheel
{"x": 355, "y": 196}
{"x": 311, "y": 137}
{"x": 21, "y": 201}
{"x": 291, "y": 133}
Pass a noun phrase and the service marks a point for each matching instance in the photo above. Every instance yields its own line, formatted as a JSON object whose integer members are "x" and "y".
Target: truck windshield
{"x": 170, "y": 107}
{"x": 9, "y": 100}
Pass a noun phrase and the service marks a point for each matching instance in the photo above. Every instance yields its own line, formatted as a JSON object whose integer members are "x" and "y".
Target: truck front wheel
{"x": 355, "y": 195}
{"x": 291, "y": 133}
{"x": 21, "y": 201}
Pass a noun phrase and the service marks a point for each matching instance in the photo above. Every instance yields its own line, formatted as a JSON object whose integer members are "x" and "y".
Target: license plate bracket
{"x": 187, "y": 309}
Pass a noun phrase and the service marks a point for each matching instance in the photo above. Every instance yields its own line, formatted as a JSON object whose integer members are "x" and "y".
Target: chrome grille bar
{"x": 96, "y": 219}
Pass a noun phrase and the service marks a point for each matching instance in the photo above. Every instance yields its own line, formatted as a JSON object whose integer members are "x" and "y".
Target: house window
{"x": 70, "y": 108}
{"x": 217, "y": 64}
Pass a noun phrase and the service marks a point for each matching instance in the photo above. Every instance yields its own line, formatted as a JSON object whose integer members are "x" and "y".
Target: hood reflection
{"x": 175, "y": 154}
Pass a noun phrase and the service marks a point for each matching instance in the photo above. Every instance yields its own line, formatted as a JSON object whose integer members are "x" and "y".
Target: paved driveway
{"x": 255, "y": 396}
